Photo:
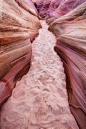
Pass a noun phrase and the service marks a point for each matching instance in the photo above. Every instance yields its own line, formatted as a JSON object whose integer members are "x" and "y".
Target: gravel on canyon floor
{"x": 40, "y": 100}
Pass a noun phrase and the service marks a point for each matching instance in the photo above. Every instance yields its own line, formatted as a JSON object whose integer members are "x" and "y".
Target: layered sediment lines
{"x": 70, "y": 31}
{"x": 40, "y": 99}
{"x": 18, "y": 27}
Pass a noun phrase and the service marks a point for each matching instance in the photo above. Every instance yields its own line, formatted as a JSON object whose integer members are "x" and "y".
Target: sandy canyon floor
{"x": 40, "y": 100}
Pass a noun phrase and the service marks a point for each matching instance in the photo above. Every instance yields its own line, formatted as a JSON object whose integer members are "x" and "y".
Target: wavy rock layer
{"x": 53, "y": 9}
{"x": 71, "y": 46}
{"x": 40, "y": 99}
{"x": 18, "y": 27}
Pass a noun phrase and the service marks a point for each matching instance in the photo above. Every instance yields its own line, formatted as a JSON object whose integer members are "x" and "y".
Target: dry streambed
{"x": 39, "y": 100}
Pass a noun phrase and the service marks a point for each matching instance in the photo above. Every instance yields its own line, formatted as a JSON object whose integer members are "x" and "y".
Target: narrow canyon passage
{"x": 39, "y": 100}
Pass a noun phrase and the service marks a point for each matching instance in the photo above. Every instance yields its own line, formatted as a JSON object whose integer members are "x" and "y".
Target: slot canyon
{"x": 42, "y": 64}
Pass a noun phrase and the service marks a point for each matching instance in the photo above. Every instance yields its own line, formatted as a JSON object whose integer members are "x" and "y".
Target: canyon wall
{"x": 18, "y": 27}
{"x": 70, "y": 31}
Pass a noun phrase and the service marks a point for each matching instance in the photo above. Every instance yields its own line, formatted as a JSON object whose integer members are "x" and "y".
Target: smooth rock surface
{"x": 18, "y": 27}
{"x": 39, "y": 100}
{"x": 70, "y": 31}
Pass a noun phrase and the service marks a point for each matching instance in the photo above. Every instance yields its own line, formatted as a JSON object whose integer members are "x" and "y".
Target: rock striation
{"x": 70, "y": 31}
{"x": 18, "y": 27}
{"x": 53, "y": 9}
{"x": 39, "y": 100}
{"x": 44, "y": 86}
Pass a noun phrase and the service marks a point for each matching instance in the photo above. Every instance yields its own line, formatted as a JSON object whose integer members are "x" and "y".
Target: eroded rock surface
{"x": 70, "y": 31}
{"x": 18, "y": 27}
{"x": 40, "y": 99}
{"x": 53, "y": 9}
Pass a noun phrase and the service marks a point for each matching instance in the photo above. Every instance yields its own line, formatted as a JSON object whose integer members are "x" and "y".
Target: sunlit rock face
{"x": 53, "y": 9}
{"x": 70, "y": 31}
{"x": 18, "y": 27}
{"x": 39, "y": 100}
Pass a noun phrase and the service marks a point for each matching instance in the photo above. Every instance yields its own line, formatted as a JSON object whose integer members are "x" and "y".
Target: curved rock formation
{"x": 39, "y": 100}
{"x": 71, "y": 46}
{"x": 18, "y": 27}
{"x": 53, "y": 9}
